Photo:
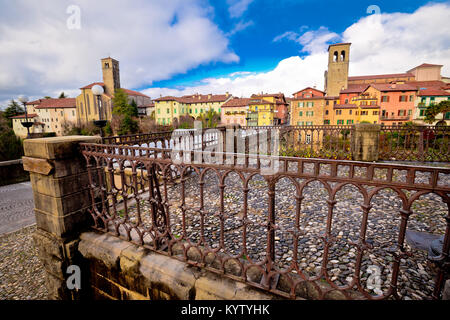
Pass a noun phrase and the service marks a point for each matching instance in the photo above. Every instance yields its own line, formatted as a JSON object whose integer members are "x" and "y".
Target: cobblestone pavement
{"x": 22, "y": 275}
{"x": 16, "y": 207}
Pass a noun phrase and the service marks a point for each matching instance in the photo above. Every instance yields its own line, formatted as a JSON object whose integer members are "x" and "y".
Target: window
{"x": 174, "y": 110}
{"x": 447, "y": 116}
{"x": 201, "y": 110}
{"x": 310, "y": 104}
{"x": 409, "y": 112}
{"x": 338, "y": 112}
{"x": 349, "y": 121}
{"x": 342, "y": 55}
{"x": 422, "y": 113}
{"x": 300, "y": 113}
{"x": 350, "y": 111}
{"x": 168, "y": 110}
{"x": 385, "y": 99}
{"x": 402, "y": 98}
{"x": 326, "y": 112}
{"x": 159, "y": 110}
{"x": 73, "y": 112}
{"x": 326, "y": 121}
{"x": 340, "y": 122}
{"x": 375, "y": 113}
{"x": 300, "y": 104}
{"x": 411, "y": 98}
{"x": 308, "y": 138}
{"x": 401, "y": 113}
{"x": 357, "y": 112}
{"x": 346, "y": 101}
{"x": 309, "y": 123}
{"x": 300, "y": 123}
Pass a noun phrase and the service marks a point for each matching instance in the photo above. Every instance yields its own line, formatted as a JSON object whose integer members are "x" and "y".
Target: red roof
{"x": 434, "y": 92}
{"x": 426, "y": 65}
{"x": 127, "y": 91}
{"x": 384, "y": 87}
{"x": 134, "y": 93}
{"x": 236, "y": 102}
{"x": 22, "y": 116}
{"x": 428, "y": 84}
{"x": 196, "y": 98}
{"x": 38, "y": 101}
{"x": 89, "y": 86}
{"x": 355, "y": 88}
{"x": 310, "y": 89}
{"x": 57, "y": 103}
{"x": 382, "y": 76}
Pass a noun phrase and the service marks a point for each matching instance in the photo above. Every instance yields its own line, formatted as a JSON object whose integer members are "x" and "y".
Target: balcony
{"x": 395, "y": 118}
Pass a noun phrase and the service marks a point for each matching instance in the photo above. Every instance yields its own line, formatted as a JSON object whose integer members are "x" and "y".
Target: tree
{"x": 47, "y": 97}
{"x": 10, "y": 145}
{"x": 125, "y": 112}
{"x": 434, "y": 109}
{"x": 210, "y": 119}
{"x": 62, "y": 95}
{"x": 12, "y": 110}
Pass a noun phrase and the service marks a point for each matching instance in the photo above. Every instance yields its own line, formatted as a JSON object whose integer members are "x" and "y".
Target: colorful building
{"x": 169, "y": 108}
{"x": 264, "y": 110}
{"x": 428, "y": 97}
{"x": 48, "y": 116}
{"x": 396, "y": 102}
{"x": 308, "y": 107}
{"x": 234, "y": 111}
{"x": 271, "y": 108}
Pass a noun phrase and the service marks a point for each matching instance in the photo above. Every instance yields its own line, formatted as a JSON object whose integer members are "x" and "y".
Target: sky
{"x": 177, "y": 47}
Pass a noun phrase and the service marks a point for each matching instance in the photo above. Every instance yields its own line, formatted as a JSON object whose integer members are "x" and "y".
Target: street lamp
{"x": 100, "y": 123}
{"x": 27, "y": 124}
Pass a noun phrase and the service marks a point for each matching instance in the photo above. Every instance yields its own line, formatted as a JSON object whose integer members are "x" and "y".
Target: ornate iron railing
{"x": 311, "y": 228}
{"x": 416, "y": 143}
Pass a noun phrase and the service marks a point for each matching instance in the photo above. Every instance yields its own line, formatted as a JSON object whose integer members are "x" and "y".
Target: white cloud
{"x": 238, "y": 7}
{"x": 240, "y": 26}
{"x": 386, "y": 43}
{"x": 153, "y": 40}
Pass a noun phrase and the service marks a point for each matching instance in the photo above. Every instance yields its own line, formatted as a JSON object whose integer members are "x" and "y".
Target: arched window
{"x": 342, "y": 55}
{"x": 335, "y": 56}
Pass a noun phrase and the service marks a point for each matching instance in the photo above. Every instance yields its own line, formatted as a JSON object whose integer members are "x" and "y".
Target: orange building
{"x": 396, "y": 101}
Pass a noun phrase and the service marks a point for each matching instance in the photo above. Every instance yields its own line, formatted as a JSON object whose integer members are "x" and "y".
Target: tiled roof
{"x": 309, "y": 89}
{"x": 426, "y": 65}
{"x": 428, "y": 84}
{"x": 259, "y": 101}
{"x": 355, "y": 88}
{"x": 89, "y": 86}
{"x": 370, "y": 107}
{"x": 196, "y": 98}
{"x": 236, "y": 102}
{"x": 38, "y": 101}
{"x": 337, "y": 44}
{"x": 393, "y": 87}
{"x": 433, "y": 92}
{"x": 310, "y": 98}
{"x": 128, "y": 91}
{"x": 57, "y": 103}
{"x": 381, "y": 76}
{"x": 22, "y": 116}
{"x": 134, "y": 93}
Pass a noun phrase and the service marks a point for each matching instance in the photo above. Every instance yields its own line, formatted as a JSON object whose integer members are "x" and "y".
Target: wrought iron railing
{"x": 416, "y": 143}
{"x": 311, "y": 228}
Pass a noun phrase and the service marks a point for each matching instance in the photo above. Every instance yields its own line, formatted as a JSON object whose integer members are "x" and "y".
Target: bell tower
{"x": 111, "y": 75}
{"x": 336, "y": 78}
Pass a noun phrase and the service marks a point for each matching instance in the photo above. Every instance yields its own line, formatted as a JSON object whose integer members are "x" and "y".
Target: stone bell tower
{"x": 111, "y": 75}
{"x": 336, "y": 78}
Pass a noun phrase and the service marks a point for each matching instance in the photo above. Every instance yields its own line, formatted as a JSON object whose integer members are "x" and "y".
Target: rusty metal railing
{"x": 416, "y": 143}
{"x": 310, "y": 228}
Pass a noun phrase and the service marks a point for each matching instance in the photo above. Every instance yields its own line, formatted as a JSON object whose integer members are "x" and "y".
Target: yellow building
{"x": 265, "y": 111}
{"x": 86, "y": 102}
{"x": 169, "y": 108}
{"x": 368, "y": 108}
{"x": 234, "y": 111}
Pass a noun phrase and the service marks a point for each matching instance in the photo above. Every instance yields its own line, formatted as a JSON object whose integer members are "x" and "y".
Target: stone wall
{"x": 12, "y": 172}
{"x": 120, "y": 270}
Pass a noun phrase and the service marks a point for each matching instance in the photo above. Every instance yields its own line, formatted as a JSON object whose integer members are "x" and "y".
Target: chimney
{"x": 209, "y": 96}
{"x": 227, "y": 94}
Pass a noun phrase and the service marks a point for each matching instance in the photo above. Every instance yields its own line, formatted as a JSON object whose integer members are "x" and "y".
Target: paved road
{"x": 16, "y": 207}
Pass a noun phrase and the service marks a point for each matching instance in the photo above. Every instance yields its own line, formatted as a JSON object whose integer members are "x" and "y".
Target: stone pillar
{"x": 60, "y": 187}
{"x": 365, "y": 141}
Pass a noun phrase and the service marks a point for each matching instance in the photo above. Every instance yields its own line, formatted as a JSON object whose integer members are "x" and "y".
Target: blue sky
{"x": 267, "y": 19}
{"x": 176, "y": 47}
